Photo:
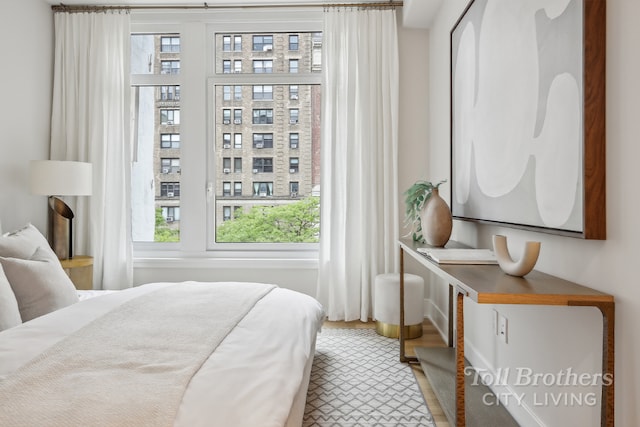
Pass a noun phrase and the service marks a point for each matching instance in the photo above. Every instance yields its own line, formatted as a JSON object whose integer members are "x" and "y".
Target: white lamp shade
{"x": 61, "y": 178}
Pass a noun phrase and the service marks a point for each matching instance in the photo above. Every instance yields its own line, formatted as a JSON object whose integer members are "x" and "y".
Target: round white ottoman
{"x": 387, "y": 305}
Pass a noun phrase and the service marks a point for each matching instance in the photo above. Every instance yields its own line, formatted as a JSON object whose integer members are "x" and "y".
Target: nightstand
{"x": 80, "y": 271}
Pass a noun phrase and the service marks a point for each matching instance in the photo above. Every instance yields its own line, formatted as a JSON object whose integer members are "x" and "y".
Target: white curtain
{"x": 90, "y": 122}
{"x": 359, "y": 216}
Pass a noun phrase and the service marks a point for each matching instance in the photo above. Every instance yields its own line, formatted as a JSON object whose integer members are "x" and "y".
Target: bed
{"x": 183, "y": 354}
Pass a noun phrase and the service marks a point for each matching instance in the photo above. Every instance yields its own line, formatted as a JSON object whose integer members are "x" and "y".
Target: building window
{"x": 262, "y": 92}
{"x": 170, "y": 93}
{"x": 226, "y": 188}
{"x": 294, "y": 115}
{"x": 293, "y": 42}
{"x": 237, "y": 189}
{"x": 262, "y": 140}
{"x": 226, "y": 66}
{"x": 237, "y": 164}
{"x": 171, "y": 213}
{"x": 237, "y": 211}
{"x": 226, "y": 213}
{"x": 263, "y": 189}
{"x": 237, "y": 43}
{"x": 226, "y": 93}
{"x": 294, "y": 165}
{"x": 262, "y": 43}
{"x": 293, "y": 188}
{"x": 237, "y": 66}
{"x": 293, "y": 65}
{"x": 170, "y": 140}
{"x": 169, "y": 117}
{"x": 261, "y": 66}
{"x": 226, "y": 140}
{"x": 226, "y": 165}
{"x": 237, "y": 116}
{"x": 226, "y": 43}
{"x": 237, "y": 140}
{"x": 170, "y": 189}
{"x": 293, "y": 92}
{"x": 169, "y": 165}
{"x": 237, "y": 93}
{"x": 169, "y": 67}
{"x": 263, "y": 165}
{"x": 169, "y": 44}
{"x": 226, "y": 116}
{"x": 294, "y": 140}
{"x": 263, "y": 117}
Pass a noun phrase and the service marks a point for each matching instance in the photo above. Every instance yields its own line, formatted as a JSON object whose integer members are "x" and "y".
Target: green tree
{"x": 162, "y": 231}
{"x": 289, "y": 223}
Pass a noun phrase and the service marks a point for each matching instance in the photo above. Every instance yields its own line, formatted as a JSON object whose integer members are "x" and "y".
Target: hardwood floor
{"x": 430, "y": 338}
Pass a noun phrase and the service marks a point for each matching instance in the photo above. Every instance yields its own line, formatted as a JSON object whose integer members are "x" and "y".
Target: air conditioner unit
{"x": 267, "y": 48}
{"x": 226, "y": 145}
{"x": 165, "y": 170}
{"x": 255, "y": 171}
{"x": 294, "y": 194}
{"x": 262, "y": 194}
{"x": 226, "y": 122}
{"x": 293, "y": 121}
{"x": 294, "y": 145}
{"x": 237, "y": 121}
{"x": 294, "y": 97}
{"x": 170, "y": 194}
{"x": 169, "y": 219}
{"x": 259, "y": 145}
{"x": 226, "y": 170}
{"x": 292, "y": 170}
{"x": 237, "y": 71}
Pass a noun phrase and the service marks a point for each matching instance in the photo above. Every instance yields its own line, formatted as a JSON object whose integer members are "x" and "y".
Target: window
{"x": 226, "y": 140}
{"x": 237, "y": 164}
{"x": 169, "y": 67}
{"x": 170, "y": 140}
{"x": 237, "y": 189}
{"x": 293, "y": 188}
{"x": 262, "y": 43}
{"x": 169, "y": 117}
{"x": 262, "y": 189}
{"x": 263, "y": 117}
{"x": 294, "y": 116}
{"x": 226, "y": 43}
{"x": 262, "y": 164}
{"x": 226, "y": 93}
{"x": 262, "y": 66}
{"x": 262, "y": 92}
{"x": 226, "y": 116}
{"x": 169, "y": 44}
{"x": 293, "y": 92}
{"x": 170, "y": 93}
{"x": 226, "y": 213}
{"x": 237, "y": 43}
{"x": 294, "y": 165}
{"x": 169, "y": 165}
{"x": 294, "y": 139}
{"x": 226, "y": 165}
{"x": 226, "y": 66}
{"x": 237, "y": 116}
{"x": 262, "y": 140}
{"x": 237, "y": 66}
{"x": 293, "y": 42}
{"x": 170, "y": 189}
{"x": 293, "y": 65}
{"x": 237, "y": 140}
{"x": 237, "y": 93}
{"x": 226, "y": 188}
{"x": 171, "y": 213}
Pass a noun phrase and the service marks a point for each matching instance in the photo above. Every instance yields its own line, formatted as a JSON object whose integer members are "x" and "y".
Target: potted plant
{"x": 430, "y": 221}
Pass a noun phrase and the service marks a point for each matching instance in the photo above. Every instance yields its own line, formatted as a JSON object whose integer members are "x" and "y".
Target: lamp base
{"x": 60, "y": 228}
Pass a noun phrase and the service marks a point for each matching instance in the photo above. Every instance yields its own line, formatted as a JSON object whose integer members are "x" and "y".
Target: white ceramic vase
{"x": 521, "y": 267}
{"x": 436, "y": 220}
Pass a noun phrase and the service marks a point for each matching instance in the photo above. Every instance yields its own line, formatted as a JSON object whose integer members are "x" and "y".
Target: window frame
{"x": 197, "y": 66}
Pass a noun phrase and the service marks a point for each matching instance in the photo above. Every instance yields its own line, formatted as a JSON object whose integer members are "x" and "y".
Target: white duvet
{"x": 256, "y": 377}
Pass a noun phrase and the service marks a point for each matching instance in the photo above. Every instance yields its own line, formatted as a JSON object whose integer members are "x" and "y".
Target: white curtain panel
{"x": 359, "y": 213}
{"x": 90, "y": 122}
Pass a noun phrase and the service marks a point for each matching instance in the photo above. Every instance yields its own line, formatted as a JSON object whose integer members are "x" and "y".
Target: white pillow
{"x": 39, "y": 284}
{"x": 9, "y": 312}
{"x": 23, "y": 243}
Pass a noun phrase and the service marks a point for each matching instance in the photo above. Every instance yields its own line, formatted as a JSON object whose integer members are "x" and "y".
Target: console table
{"x": 488, "y": 284}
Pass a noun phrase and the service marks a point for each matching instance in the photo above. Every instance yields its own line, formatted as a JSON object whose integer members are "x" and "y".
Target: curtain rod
{"x": 205, "y": 6}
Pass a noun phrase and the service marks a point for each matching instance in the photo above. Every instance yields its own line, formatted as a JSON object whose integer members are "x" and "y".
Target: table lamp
{"x": 55, "y": 178}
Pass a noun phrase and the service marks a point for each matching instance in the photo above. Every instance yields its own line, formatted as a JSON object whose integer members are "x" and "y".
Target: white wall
{"x": 26, "y": 75}
{"x": 550, "y": 339}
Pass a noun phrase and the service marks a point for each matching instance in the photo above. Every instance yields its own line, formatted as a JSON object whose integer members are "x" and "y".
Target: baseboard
{"x": 439, "y": 319}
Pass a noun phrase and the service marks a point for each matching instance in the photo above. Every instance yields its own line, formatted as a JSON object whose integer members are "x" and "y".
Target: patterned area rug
{"x": 357, "y": 379}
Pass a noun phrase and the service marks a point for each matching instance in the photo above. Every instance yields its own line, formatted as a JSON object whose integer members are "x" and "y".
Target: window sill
{"x": 236, "y": 262}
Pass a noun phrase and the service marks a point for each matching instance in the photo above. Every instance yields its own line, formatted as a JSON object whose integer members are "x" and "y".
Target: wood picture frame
{"x": 528, "y": 116}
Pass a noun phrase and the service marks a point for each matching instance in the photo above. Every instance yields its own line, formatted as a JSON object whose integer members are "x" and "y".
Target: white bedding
{"x": 256, "y": 377}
